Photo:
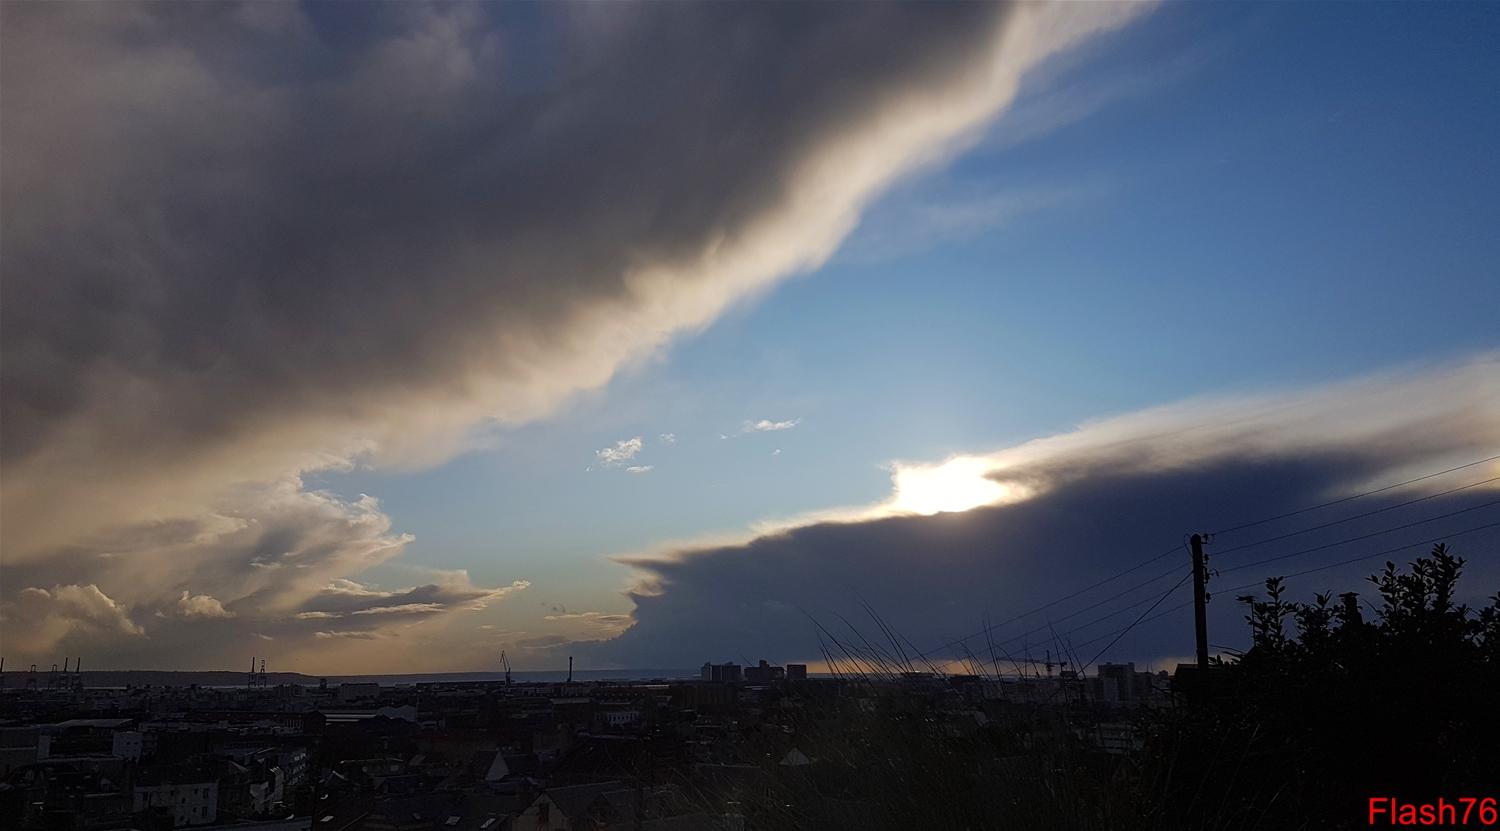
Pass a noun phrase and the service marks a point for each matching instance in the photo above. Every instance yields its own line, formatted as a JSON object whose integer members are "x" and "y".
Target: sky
{"x": 378, "y": 338}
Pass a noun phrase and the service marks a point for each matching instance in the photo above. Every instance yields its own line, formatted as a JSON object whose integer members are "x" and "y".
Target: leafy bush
{"x": 1307, "y": 725}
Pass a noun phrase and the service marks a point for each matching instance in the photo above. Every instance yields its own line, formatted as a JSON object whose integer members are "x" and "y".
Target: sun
{"x": 958, "y": 484}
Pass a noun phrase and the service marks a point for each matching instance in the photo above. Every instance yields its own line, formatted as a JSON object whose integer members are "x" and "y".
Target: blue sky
{"x": 1240, "y": 197}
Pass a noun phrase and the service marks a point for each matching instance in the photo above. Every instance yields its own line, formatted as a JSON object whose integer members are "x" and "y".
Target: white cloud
{"x": 353, "y": 588}
{"x": 767, "y": 426}
{"x": 348, "y": 635}
{"x": 640, "y": 468}
{"x": 403, "y": 609}
{"x": 606, "y": 624}
{"x": 344, "y": 598}
{"x": 623, "y": 451}
{"x": 201, "y": 605}
{"x": 668, "y": 438}
{"x": 776, "y": 452}
{"x": 38, "y": 619}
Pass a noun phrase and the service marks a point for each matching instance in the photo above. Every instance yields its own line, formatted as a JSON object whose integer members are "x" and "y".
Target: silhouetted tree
{"x": 1302, "y": 729}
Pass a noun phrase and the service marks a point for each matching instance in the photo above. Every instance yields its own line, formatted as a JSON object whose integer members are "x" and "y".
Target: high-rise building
{"x": 1117, "y": 682}
{"x": 764, "y": 673}
{"x": 727, "y": 672}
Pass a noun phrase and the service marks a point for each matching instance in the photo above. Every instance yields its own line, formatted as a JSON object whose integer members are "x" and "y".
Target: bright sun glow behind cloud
{"x": 955, "y": 485}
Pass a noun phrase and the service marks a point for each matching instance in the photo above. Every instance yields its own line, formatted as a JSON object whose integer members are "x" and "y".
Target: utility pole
{"x": 1200, "y": 601}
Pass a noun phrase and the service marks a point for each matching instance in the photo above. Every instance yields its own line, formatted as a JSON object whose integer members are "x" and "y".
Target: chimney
{"x": 1351, "y": 608}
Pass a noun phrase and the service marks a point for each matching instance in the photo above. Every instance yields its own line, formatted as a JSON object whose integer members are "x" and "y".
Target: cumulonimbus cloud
{"x": 41, "y": 614}
{"x": 243, "y": 243}
{"x": 990, "y": 535}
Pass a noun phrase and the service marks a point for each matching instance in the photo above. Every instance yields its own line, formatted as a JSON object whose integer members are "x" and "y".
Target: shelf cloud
{"x": 1052, "y": 516}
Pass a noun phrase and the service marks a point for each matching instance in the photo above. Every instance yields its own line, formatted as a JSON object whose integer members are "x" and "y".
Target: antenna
{"x": 505, "y": 664}
{"x": 570, "y": 669}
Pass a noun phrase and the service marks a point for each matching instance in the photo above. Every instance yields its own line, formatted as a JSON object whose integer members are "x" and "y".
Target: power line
{"x": 1100, "y": 619}
{"x": 1084, "y": 590}
{"x": 1179, "y": 607}
{"x": 1063, "y": 599}
{"x": 1290, "y": 534}
{"x": 1326, "y": 546}
{"x": 1354, "y": 497}
{"x": 1170, "y": 572}
{"x": 1168, "y": 593}
{"x": 1072, "y": 614}
{"x": 1351, "y": 560}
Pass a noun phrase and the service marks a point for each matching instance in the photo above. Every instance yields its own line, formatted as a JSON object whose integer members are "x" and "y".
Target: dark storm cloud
{"x": 247, "y": 241}
{"x": 1108, "y": 496}
{"x": 244, "y": 218}
{"x": 346, "y": 598}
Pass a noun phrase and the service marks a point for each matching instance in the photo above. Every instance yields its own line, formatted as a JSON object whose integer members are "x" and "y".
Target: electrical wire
{"x": 1279, "y": 537}
{"x": 1342, "y": 500}
{"x": 1168, "y": 593}
{"x": 1049, "y": 624}
{"x": 1070, "y": 615}
{"x": 1382, "y": 532}
{"x": 990, "y": 628}
{"x": 1254, "y": 584}
{"x": 1440, "y": 538}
